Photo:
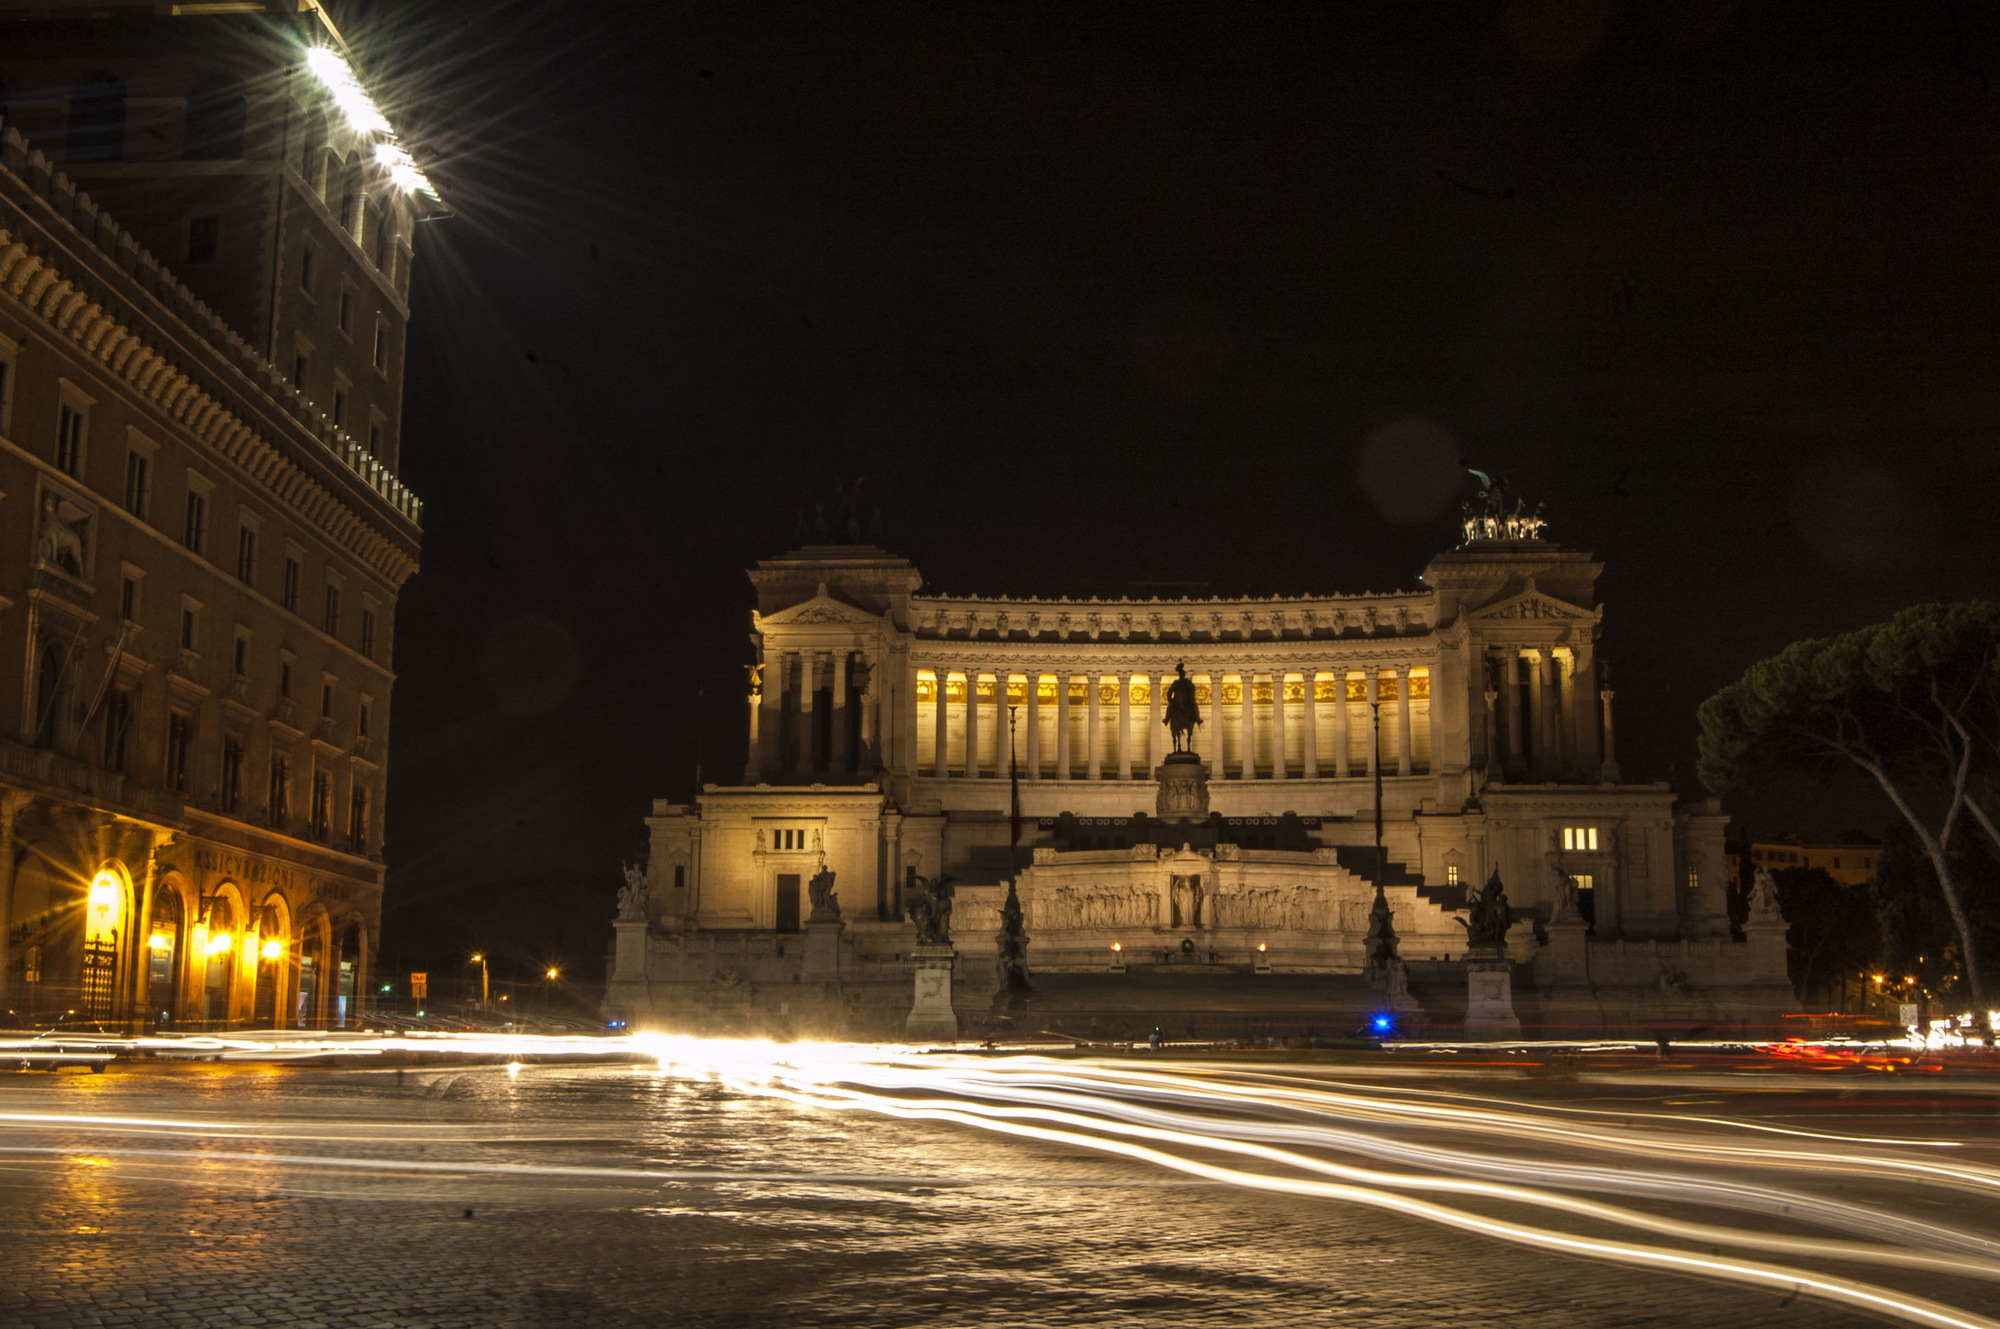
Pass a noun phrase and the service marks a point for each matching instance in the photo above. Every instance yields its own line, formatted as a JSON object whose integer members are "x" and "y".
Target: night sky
{"x": 1091, "y": 295}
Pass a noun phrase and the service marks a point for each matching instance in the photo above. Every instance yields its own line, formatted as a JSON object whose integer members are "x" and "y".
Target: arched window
{"x": 97, "y": 120}
{"x": 312, "y": 152}
{"x": 351, "y": 196}
{"x": 215, "y": 115}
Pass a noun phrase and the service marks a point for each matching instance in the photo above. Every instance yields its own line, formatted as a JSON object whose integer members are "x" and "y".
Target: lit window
{"x": 1582, "y": 838}
{"x": 1451, "y": 874}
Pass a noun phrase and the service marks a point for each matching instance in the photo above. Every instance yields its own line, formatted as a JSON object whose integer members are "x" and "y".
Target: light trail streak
{"x": 1532, "y": 1155}
{"x": 1795, "y": 1205}
{"x": 1828, "y": 1287}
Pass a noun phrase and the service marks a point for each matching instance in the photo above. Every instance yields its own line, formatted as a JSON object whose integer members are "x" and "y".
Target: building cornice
{"x": 75, "y": 309}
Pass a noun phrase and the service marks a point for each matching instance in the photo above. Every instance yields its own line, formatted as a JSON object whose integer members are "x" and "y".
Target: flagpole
{"x": 1376, "y": 708}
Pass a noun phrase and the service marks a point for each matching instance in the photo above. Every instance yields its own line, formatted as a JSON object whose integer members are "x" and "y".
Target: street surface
{"x": 725, "y": 1187}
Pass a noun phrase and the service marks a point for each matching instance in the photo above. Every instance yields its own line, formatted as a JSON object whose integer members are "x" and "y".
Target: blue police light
{"x": 1382, "y": 1024}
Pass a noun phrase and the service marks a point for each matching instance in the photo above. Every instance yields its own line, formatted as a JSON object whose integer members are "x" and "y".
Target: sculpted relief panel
{"x": 1196, "y": 904}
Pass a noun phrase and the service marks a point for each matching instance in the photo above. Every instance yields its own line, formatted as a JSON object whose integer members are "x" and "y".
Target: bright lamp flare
{"x": 220, "y": 942}
{"x": 272, "y": 949}
{"x": 346, "y": 91}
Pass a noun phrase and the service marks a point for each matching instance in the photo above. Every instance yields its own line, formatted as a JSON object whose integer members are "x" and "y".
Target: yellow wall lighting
{"x": 220, "y": 942}
{"x": 160, "y": 941}
{"x": 272, "y": 949}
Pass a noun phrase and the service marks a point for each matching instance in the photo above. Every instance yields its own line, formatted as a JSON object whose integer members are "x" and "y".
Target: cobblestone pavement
{"x": 299, "y": 1207}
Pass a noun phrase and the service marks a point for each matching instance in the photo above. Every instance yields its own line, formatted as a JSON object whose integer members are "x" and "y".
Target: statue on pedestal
{"x": 1489, "y": 915}
{"x": 1764, "y": 898}
{"x": 825, "y": 904}
{"x": 1013, "y": 945}
{"x": 632, "y": 895}
{"x": 930, "y": 910}
{"x": 1182, "y": 711}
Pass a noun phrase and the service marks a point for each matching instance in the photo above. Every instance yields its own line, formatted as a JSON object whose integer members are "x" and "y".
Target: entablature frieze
{"x": 1317, "y": 618}
{"x": 1149, "y": 659}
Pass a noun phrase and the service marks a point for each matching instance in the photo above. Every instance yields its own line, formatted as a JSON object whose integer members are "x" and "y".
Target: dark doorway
{"x": 788, "y": 902}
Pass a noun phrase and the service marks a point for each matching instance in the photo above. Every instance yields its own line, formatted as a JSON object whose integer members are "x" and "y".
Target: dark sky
{"x": 1097, "y": 294}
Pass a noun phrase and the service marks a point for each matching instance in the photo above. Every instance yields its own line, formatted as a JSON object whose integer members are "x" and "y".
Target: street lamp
{"x": 548, "y": 993}
{"x": 480, "y": 960}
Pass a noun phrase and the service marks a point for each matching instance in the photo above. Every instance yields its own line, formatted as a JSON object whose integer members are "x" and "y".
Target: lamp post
{"x": 548, "y": 993}
{"x": 480, "y": 960}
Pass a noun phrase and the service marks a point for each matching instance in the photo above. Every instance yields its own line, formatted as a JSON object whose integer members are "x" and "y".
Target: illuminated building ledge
{"x": 124, "y": 287}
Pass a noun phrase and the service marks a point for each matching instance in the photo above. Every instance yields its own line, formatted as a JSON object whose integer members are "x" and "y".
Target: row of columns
{"x": 1157, "y": 745}
{"x": 801, "y": 673}
{"x": 1546, "y": 726}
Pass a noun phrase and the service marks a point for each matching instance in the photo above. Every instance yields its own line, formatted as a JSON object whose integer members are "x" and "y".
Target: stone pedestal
{"x": 822, "y": 953}
{"x": 629, "y": 966}
{"x": 931, "y": 1015}
{"x": 1489, "y": 994}
{"x": 1183, "y": 792}
{"x": 1565, "y": 960}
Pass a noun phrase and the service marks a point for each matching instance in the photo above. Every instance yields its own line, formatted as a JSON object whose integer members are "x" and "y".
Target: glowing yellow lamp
{"x": 160, "y": 941}
{"x": 272, "y": 949}
{"x": 219, "y": 943}
{"x": 1117, "y": 945}
{"x": 552, "y": 974}
{"x": 104, "y": 891}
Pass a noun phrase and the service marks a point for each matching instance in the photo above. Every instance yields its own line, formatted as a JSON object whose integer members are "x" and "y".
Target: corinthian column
{"x": 1340, "y": 739}
{"x": 1309, "y": 724}
{"x": 1278, "y": 771}
{"x": 1374, "y": 683}
{"x": 1031, "y": 754}
{"x": 808, "y": 731}
{"x": 1062, "y": 723}
{"x": 1247, "y": 704}
{"x": 972, "y": 722}
{"x": 942, "y": 722}
{"x": 1217, "y": 770}
{"x": 1094, "y": 736}
{"x": 836, "y": 746}
{"x": 1610, "y": 775}
{"x": 1402, "y": 719}
{"x": 1156, "y": 752}
{"x": 1124, "y": 725}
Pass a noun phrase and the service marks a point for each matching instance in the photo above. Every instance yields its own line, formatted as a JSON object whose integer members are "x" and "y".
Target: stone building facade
{"x": 204, "y": 272}
{"x": 885, "y": 723}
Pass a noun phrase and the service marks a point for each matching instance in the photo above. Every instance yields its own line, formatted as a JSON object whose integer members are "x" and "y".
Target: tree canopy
{"x": 1913, "y": 703}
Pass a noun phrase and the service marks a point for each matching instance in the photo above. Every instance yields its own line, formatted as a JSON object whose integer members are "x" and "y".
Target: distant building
{"x": 205, "y": 248}
{"x": 884, "y": 720}
{"x": 1851, "y": 862}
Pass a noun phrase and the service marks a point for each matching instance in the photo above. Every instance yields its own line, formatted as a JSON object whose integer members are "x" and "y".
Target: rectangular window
{"x": 187, "y": 629}
{"x": 680, "y": 876}
{"x": 1451, "y": 874}
{"x": 242, "y": 656}
{"x": 374, "y": 439}
{"x": 361, "y": 720}
{"x": 299, "y": 366}
{"x": 284, "y": 678}
{"x": 232, "y": 774}
{"x": 326, "y": 701}
{"x": 340, "y": 408}
{"x": 180, "y": 737}
{"x": 281, "y": 788}
{"x": 1694, "y": 881}
{"x": 69, "y": 441}
{"x": 291, "y": 591}
{"x": 128, "y": 600}
{"x": 246, "y": 555}
{"x": 368, "y": 633}
{"x": 204, "y": 239}
{"x": 306, "y": 270}
{"x": 382, "y": 346}
{"x": 1580, "y": 837}
{"x": 346, "y": 309}
{"x": 138, "y": 482}
{"x": 333, "y": 611}
{"x": 195, "y": 532}
{"x": 117, "y": 728}
{"x": 357, "y": 820}
{"x": 322, "y": 806}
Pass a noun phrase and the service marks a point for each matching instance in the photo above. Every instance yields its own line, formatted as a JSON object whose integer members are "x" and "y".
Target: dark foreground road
{"x": 620, "y": 1195}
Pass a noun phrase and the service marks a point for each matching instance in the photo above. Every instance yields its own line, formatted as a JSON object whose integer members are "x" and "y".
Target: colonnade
{"x": 1246, "y": 732}
{"x": 789, "y": 739}
{"x": 1542, "y": 714}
